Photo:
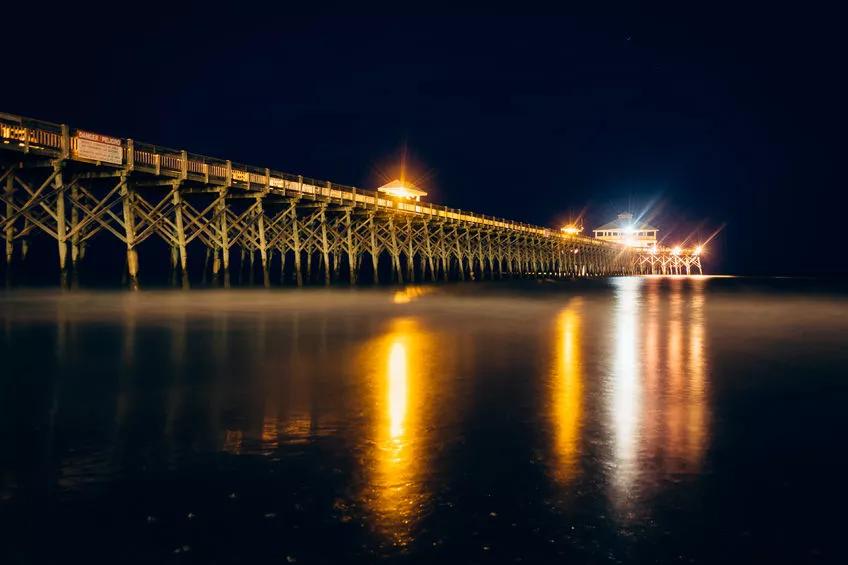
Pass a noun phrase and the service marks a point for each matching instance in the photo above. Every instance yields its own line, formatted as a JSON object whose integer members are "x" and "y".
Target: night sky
{"x": 707, "y": 118}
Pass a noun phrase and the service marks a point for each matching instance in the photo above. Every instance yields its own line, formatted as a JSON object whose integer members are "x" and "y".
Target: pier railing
{"x": 59, "y": 141}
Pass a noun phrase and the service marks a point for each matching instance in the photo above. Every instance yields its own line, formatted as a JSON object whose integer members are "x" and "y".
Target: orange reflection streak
{"x": 270, "y": 439}
{"x": 396, "y": 363}
{"x": 686, "y": 413}
{"x": 697, "y": 423}
{"x": 675, "y": 405}
{"x": 675, "y": 391}
{"x": 297, "y": 428}
{"x": 653, "y": 370}
{"x": 567, "y": 385}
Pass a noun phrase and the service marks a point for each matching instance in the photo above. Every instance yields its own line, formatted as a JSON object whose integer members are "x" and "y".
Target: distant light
{"x": 628, "y": 229}
{"x": 571, "y": 229}
{"x": 399, "y": 189}
{"x": 654, "y": 250}
{"x": 400, "y": 297}
{"x": 410, "y": 293}
{"x": 697, "y": 250}
{"x": 676, "y": 251}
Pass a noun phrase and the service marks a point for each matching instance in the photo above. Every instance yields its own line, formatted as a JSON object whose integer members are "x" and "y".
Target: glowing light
{"x": 697, "y": 250}
{"x": 571, "y": 229}
{"x": 567, "y": 391}
{"x": 410, "y": 293}
{"x": 677, "y": 250}
{"x": 399, "y": 189}
{"x": 653, "y": 250}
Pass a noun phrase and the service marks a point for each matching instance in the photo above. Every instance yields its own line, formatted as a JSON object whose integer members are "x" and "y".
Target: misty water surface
{"x": 620, "y": 420}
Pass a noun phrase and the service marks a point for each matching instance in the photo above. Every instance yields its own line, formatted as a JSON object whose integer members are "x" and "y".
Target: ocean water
{"x": 631, "y": 420}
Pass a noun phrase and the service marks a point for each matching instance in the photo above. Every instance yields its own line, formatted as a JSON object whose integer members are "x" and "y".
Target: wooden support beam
{"x": 75, "y": 237}
{"x": 309, "y": 263}
{"x": 351, "y": 250}
{"x": 410, "y": 254}
{"x": 443, "y": 252}
{"x": 129, "y": 234}
{"x": 325, "y": 248}
{"x": 224, "y": 230}
{"x": 459, "y": 254}
{"x": 429, "y": 253}
{"x": 395, "y": 251}
{"x": 263, "y": 249}
{"x": 61, "y": 227}
{"x": 180, "y": 229}
{"x": 9, "y": 228}
{"x": 375, "y": 251}
{"x": 296, "y": 246}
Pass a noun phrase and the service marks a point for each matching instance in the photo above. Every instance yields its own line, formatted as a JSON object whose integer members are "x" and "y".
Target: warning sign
{"x": 99, "y": 147}
{"x": 241, "y": 175}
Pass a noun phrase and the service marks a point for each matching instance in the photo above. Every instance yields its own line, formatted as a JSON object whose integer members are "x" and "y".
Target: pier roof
{"x": 625, "y": 221}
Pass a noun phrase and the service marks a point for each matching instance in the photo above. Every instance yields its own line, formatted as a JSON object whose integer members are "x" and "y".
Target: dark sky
{"x": 713, "y": 118}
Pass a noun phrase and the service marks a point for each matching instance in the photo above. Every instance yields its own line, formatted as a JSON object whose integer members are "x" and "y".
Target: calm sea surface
{"x": 624, "y": 420}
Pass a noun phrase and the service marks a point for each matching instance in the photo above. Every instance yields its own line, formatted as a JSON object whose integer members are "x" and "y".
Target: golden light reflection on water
{"x": 675, "y": 410}
{"x": 697, "y": 422}
{"x": 396, "y": 365}
{"x": 270, "y": 437}
{"x": 567, "y": 385}
{"x": 679, "y": 427}
{"x": 297, "y": 428}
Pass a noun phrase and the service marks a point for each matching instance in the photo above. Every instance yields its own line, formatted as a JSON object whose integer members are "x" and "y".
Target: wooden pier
{"x": 75, "y": 186}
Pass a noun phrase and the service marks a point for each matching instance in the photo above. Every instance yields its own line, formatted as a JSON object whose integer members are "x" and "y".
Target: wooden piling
{"x": 375, "y": 251}
{"x": 180, "y": 229}
{"x": 75, "y": 237}
{"x": 325, "y": 246}
{"x": 129, "y": 235}
{"x": 10, "y": 217}
{"x": 296, "y": 245}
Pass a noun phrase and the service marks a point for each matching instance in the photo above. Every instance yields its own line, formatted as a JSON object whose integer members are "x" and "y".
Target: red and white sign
{"x": 99, "y": 147}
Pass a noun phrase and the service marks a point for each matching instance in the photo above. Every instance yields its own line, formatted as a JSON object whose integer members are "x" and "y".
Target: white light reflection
{"x": 625, "y": 386}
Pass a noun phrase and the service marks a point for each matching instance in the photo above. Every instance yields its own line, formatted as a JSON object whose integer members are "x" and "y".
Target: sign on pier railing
{"x": 99, "y": 147}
